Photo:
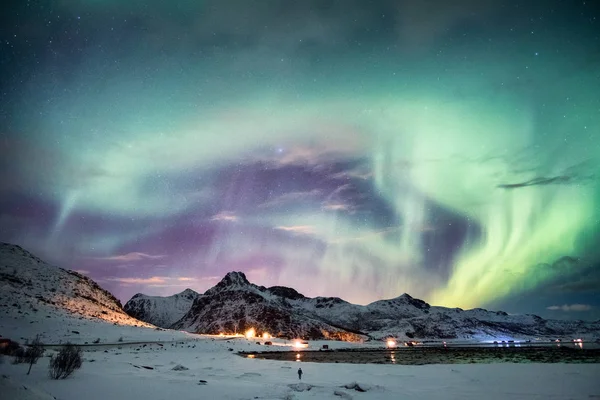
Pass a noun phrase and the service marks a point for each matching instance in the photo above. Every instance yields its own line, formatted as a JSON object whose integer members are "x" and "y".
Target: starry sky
{"x": 351, "y": 148}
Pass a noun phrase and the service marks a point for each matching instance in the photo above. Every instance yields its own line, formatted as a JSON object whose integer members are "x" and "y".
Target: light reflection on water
{"x": 446, "y": 354}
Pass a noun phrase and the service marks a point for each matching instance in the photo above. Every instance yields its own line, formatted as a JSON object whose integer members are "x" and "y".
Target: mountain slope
{"x": 160, "y": 311}
{"x": 29, "y": 286}
{"x": 235, "y": 304}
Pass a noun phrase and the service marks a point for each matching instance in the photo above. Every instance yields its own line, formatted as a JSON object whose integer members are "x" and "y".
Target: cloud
{"x": 368, "y": 235}
{"x": 298, "y": 229}
{"x": 571, "y": 307}
{"x": 555, "y": 180}
{"x": 333, "y": 201}
{"x": 331, "y": 206}
{"x": 356, "y": 173}
{"x": 183, "y": 281}
{"x": 578, "y": 173}
{"x": 342, "y": 142}
{"x": 578, "y": 286}
{"x": 291, "y": 198}
{"x": 225, "y": 216}
{"x": 301, "y": 155}
{"x": 140, "y": 281}
{"x": 154, "y": 280}
{"x": 133, "y": 256}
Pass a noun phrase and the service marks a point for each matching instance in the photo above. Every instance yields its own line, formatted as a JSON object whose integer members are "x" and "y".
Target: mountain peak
{"x": 188, "y": 291}
{"x": 405, "y": 299}
{"x": 188, "y": 294}
{"x": 418, "y": 303}
{"x": 235, "y": 278}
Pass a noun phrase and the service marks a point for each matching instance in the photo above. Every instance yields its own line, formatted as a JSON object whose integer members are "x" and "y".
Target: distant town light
{"x": 250, "y": 333}
{"x": 266, "y": 336}
{"x": 391, "y": 343}
{"x": 299, "y": 344}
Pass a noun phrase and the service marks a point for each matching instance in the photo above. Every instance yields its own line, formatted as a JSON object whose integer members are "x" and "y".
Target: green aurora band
{"x": 513, "y": 146}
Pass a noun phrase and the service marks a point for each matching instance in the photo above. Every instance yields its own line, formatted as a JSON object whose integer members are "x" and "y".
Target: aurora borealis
{"x": 344, "y": 148}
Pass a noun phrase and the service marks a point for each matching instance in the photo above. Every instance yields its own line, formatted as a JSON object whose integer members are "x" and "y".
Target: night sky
{"x": 352, "y": 148}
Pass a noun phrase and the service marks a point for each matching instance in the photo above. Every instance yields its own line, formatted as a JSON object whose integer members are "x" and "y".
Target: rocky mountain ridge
{"x": 33, "y": 290}
{"x": 235, "y": 305}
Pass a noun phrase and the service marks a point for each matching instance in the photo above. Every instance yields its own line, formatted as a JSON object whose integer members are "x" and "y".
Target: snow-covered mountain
{"x": 31, "y": 288}
{"x": 235, "y": 304}
{"x": 35, "y": 293}
{"x": 161, "y": 311}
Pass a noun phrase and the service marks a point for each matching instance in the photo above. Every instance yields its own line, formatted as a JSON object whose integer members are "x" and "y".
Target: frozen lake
{"x": 442, "y": 355}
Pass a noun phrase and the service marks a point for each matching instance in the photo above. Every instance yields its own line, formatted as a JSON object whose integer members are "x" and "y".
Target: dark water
{"x": 441, "y": 355}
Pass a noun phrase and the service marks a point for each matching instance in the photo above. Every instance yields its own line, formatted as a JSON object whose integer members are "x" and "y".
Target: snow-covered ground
{"x": 132, "y": 362}
{"x": 117, "y": 372}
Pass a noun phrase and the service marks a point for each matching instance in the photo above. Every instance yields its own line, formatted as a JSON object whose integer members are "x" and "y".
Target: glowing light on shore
{"x": 266, "y": 336}
{"x": 391, "y": 343}
{"x": 250, "y": 333}
{"x": 299, "y": 344}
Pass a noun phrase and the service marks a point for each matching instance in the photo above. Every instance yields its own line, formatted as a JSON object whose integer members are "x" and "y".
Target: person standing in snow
{"x": 300, "y": 373}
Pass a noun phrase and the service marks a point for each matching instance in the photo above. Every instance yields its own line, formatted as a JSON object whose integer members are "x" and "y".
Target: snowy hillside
{"x": 235, "y": 304}
{"x": 35, "y": 292}
{"x": 161, "y": 311}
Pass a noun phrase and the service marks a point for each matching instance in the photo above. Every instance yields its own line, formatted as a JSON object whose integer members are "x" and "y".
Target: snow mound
{"x": 359, "y": 387}
{"x": 300, "y": 387}
{"x": 342, "y": 394}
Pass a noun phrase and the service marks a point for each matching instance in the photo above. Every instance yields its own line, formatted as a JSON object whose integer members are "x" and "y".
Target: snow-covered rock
{"x": 161, "y": 311}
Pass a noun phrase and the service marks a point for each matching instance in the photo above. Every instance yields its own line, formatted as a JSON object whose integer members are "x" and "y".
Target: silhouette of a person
{"x": 300, "y": 373}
